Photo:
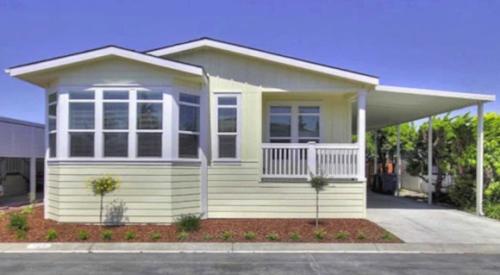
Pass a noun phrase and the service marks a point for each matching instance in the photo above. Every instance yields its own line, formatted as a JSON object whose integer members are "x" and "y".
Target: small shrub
{"x": 387, "y": 236}
{"x": 361, "y": 235}
{"x": 492, "y": 210}
{"x": 492, "y": 192}
{"x": 227, "y": 235}
{"x": 130, "y": 235}
{"x": 107, "y": 235}
{"x": 155, "y": 236}
{"x": 319, "y": 234}
{"x": 21, "y": 234}
{"x": 188, "y": 223}
{"x": 27, "y": 210}
{"x": 207, "y": 237}
{"x": 273, "y": 236}
{"x": 249, "y": 235}
{"x": 462, "y": 193}
{"x": 182, "y": 236}
{"x": 342, "y": 235}
{"x": 83, "y": 235}
{"x": 18, "y": 222}
{"x": 51, "y": 235}
{"x": 102, "y": 186}
{"x": 295, "y": 236}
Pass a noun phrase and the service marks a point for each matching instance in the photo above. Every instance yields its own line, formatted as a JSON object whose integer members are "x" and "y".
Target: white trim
{"x": 98, "y": 53}
{"x": 266, "y": 56}
{"x": 437, "y": 93}
{"x": 239, "y": 118}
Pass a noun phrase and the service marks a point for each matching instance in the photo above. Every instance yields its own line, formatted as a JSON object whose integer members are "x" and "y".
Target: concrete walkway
{"x": 418, "y": 222}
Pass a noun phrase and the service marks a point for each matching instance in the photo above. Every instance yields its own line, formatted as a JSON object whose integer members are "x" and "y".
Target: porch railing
{"x": 302, "y": 160}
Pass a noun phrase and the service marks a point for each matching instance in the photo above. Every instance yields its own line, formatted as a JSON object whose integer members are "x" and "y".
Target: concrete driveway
{"x": 417, "y": 222}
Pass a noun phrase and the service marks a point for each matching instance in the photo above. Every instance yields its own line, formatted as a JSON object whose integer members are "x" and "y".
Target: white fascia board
{"x": 438, "y": 93}
{"x": 108, "y": 51}
{"x": 266, "y": 56}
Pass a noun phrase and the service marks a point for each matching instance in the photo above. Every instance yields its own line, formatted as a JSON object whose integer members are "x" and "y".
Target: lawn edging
{"x": 229, "y": 248}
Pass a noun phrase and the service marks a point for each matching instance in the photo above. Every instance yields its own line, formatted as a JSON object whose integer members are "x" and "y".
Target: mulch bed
{"x": 211, "y": 230}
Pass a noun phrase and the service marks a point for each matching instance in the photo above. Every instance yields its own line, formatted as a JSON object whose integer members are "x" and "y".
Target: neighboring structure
{"x": 213, "y": 127}
{"x": 22, "y": 149}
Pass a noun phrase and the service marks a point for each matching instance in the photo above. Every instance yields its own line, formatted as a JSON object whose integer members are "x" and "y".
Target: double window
{"x": 189, "y": 125}
{"x": 149, "y": 123}
{"x": 294, "y": 123}
{"x": 115, "y": 124}
{"x": 81, "y": 123}
{"x": 227, "y": 135}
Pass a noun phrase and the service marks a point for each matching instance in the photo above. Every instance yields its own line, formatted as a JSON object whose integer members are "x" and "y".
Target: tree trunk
{"x": 317, "y": 209}
{"x": 100, "y": 211}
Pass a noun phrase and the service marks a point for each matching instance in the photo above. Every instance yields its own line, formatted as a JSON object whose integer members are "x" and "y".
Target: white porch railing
{"x": 301, "y": 160}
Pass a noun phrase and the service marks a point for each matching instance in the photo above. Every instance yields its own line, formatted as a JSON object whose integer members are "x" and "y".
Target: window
{"x": 227, "y": 126}
{"x": 149, "y": 123}
{"x": 308, "y": 124}
{"x": 52, "y": 121}
{"x": 280, "y": 128}
{"x": 81, "y": 123}
{"x": 294, "y": 123}
{"x": 115, "y": 123}
{"x": 189, "y": 125}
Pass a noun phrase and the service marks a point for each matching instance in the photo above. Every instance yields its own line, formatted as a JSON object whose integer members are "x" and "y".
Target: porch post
{"x": 398, "y": 159}
{"x": 32, "y": 192}
{"x": 361, "y": 134}
{"x": 479, "y": 160}
{"x": 429, "y": 161}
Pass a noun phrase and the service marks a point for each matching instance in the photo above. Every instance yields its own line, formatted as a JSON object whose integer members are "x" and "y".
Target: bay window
{"x": 149, "y": 123}
{"x": 189, "y": 125}
{"x": 115, "y": 123}
{"x": 227, "y": 136}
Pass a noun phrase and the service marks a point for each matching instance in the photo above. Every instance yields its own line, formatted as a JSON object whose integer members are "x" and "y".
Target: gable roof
{"x": 110, "y": 50}
{"x": 265, "y": 55}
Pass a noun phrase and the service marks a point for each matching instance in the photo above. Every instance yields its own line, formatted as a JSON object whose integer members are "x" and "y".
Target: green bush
{"x": 27, "y": 210}
{"x": 273, "y": 236}
{"x": 462, "y": 193}
{"x": 207, "y": 237}
{"x": 319, "y": 234}
{"x": 295, "y": 236}
{"x": 188, "y": 223}
{"x": 492, "y": 192}
{"x": 227, "y": 235}
{"x": 107, "y": 235}
{"x": 387, "y": 236}
{"x": 182, "y": 236}
{"x": 18, "y": 222}
{"x": 130, "y": 235}
{"x": 21, "y": 235}
{"x": 342, "y": 235}
{"x": 155, "y": 236}
{"x": 492, "y": 210}
{"x": 361, "y": 235}
{"x": 51, "y": 235}
{"x": 249, "y": 235}
{"x": 83, "y": 235}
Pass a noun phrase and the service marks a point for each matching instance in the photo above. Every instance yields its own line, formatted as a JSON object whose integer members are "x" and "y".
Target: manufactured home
{"x": 216, "y": 128}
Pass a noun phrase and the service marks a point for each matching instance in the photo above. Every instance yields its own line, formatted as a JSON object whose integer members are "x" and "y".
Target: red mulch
{"x": 68, "y": 232}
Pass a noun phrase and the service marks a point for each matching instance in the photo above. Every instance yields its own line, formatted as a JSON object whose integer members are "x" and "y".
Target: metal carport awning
{"x": 391, "y": 105}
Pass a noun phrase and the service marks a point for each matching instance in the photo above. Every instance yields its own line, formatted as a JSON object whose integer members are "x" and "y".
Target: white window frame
{"x": 295, "y": 113}
{"x": 95, "y": 130}
{"x": 216, "y": 134}
{"x": 105, "y": 131}
{"x": 179, "y": 131}
{"x": 54, "y": 117}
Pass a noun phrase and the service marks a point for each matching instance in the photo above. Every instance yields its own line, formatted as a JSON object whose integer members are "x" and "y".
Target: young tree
{"x": 318, "y": 183}
{"x": 102, "y": 186}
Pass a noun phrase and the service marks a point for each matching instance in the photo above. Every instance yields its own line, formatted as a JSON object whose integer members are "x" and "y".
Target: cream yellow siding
{"x": 148, "y": 193}
{"x": 237, "y": 192}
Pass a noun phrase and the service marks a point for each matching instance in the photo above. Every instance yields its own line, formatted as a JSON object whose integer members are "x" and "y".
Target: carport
{"x": 391, "y": 105}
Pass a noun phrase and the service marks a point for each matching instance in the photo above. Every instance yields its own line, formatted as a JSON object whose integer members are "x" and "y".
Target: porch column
{"x": 361, "y": 134}
{"x": 429, "y": 161}
{"x": 32, "y": 192}
{"x": 398, "y": 159}
{"x": 479, "y": 160}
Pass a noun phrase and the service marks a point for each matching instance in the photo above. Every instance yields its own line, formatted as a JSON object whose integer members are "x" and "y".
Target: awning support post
{"x": 398, "y": 159}
{"x": 479, "y": 160}
{"x": 32, "y": 191}
{"x": 429, "y": 162}
{"x": 361, "y": 134}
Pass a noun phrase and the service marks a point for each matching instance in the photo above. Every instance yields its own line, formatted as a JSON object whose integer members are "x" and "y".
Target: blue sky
{"x": 449, "y": 45}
